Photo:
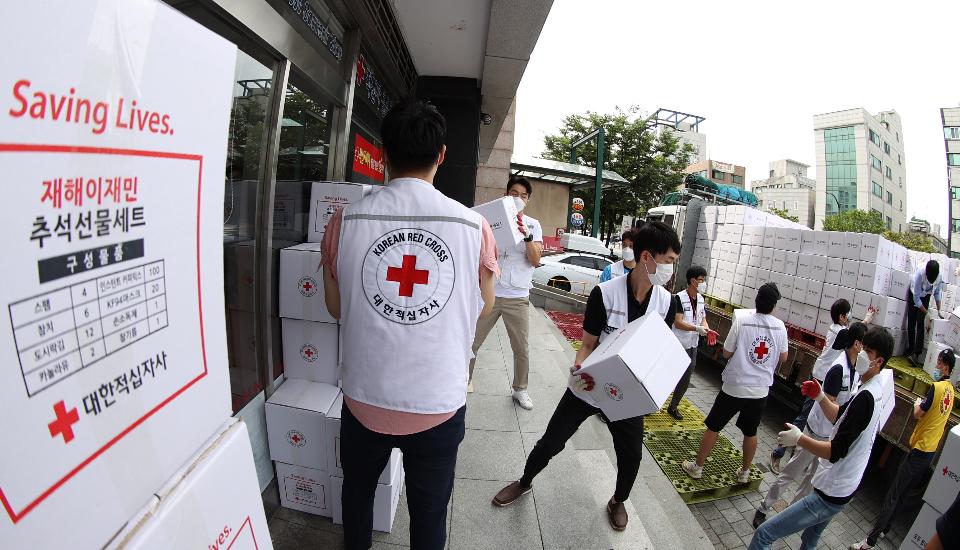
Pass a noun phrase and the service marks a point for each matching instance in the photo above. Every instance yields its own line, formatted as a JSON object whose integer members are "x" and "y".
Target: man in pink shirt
{"x": 408, "y": 271}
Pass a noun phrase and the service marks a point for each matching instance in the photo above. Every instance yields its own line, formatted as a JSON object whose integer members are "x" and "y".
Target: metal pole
{"x": 573, "y": 160}
{"x": 596, "y": 189}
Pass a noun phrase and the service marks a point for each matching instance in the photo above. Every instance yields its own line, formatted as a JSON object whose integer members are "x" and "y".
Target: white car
{"x": 574, "y": 272}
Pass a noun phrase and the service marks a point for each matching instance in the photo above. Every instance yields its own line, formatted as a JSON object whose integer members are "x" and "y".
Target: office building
{"x": 950, "y": 116}
{"x": 722, "y": 173}
{"x": 684, "y": 126}
{"x": 861, "y": 165}
{"x": 787, "y": 188}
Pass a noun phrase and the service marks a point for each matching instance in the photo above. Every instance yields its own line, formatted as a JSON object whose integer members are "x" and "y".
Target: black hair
{"x": 413, "y": 135}
{"x": 767, "y": 297}
{"x": 655, "y": 238}
{"x": 850, "y": 335}
{"x": 694, "y": 272}
{"x": 519, "y": 180}
{"x": 627, "y": 235}
{"x": 878, "y": 340}
{"x": 839, "y": 307}
{"x": 948, "y": 359}
{"x": 933, "y": 270}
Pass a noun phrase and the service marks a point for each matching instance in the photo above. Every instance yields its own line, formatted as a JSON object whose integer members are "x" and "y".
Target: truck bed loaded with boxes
{"x": 742, "y": 248}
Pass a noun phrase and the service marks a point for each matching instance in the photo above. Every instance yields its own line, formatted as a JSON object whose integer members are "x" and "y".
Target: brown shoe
{"x": 509, "y": 494}
{"x": 617, "y": 514}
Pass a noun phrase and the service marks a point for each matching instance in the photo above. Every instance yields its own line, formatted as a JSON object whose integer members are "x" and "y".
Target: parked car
{"x": 571, "y": 271}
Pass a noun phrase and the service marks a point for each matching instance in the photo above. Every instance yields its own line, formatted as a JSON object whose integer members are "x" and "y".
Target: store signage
{"x": 367, "y": 159}
{"x": 317, "y": 26}
{"x": 577, "y": 204}
{"x": 576, "y": 219}
{"x": 723, "y": 167}
{"x": 113, "y": 338}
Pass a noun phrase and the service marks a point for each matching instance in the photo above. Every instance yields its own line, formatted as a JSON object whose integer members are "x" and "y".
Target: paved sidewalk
{"x": 567, "y": 506}
{"x": 728, "y": 522}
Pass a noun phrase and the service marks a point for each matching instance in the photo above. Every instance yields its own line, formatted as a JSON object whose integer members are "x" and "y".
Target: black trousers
{"x": 915, "y": 320}
{"x": 684, "y": 384}
{"x": 911, "y": 472}
{"x": 429, "y": 461}
{"x": 570, "y": 413}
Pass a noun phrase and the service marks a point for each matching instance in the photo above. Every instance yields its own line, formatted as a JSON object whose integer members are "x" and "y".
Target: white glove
{"x": 918, "y": 402}
{"x": 871, "y": 311}
{"x": 701, "y": 330}
{"x": 578, "y": 381}
{"x": 790, "y": 436}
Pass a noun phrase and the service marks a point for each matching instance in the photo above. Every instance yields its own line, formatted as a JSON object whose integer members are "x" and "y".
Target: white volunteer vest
{"x": 408, "y": 267}
{"x": 690, "y": 339}
{"x": 829, "y": 356}
{"x": 515, "y": 270}
{"x": 615, "y": 299}
{"x": 817, "y": 422}
{"x": 617, "y": 269}
{"x": 757, "y": 353}
{"x": 842, "y": 478}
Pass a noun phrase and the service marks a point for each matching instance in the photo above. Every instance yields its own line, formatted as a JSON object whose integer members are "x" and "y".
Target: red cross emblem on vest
{"x": 307, "y": 286}
{"x": 408, "y": 275}
{"x": 761, "y": 350}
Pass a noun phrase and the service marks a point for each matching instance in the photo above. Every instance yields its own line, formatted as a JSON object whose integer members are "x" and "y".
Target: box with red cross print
{"x": 311, "y": 350}
{"x": 301, "y": 284}
{"x": 296, "y": 415}
{"x": 945, "y": 483}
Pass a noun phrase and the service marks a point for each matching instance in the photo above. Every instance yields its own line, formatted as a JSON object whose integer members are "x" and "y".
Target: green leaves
{"x": 784, "y": 214}
{"x": 860, "y": 221}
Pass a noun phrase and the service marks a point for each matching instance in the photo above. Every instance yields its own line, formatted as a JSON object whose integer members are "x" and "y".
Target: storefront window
{"x": 251, "y": 98}
{"x": 370, "y": 104}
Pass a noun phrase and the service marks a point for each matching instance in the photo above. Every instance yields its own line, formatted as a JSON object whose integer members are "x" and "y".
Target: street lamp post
{"x": 598, "y": 134}
{"x": 835, "y": 199}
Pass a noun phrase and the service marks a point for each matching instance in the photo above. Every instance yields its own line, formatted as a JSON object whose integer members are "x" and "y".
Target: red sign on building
{"x": 367, "y": 159}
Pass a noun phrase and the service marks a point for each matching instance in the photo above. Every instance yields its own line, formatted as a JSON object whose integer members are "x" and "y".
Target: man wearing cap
{"x": 755, "y": 345}
{"x": 926, "y": 281}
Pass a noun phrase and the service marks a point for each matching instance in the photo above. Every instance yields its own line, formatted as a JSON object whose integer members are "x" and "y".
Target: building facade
{"x": 929, "y": 230}
{"x": 861, "y": 165}
{"x": 684, "y": 126}
{"x": 722, "y": 173}
{"x": 787, "y": 188}
{"x": 950, "y": 117}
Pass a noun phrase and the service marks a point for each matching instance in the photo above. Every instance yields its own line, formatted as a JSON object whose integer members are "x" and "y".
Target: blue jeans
{"x": 800, "y": 421}
{"x": 810, "y": 514}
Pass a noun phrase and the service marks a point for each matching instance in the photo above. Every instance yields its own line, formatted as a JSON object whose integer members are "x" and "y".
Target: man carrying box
{"x": 625, "y": 265}
{"x": 926, "y": 281}
{"x": 757, "y": 343}
{"x": 843, "y": 458}
{"x": 513, "y": 294}
{"x": 611, "y": 306}
{"x": 932, "y": 413}
{"x": 689, "y": 326}
{"x": 407, "y": 270}
{"x": 840, "y": 384}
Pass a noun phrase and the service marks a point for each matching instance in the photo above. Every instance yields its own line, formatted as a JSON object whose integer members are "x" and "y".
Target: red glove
{"x": 812, "y": 389}
{"x": 712, "y": 338}
{"x": 582, "y": 381}
{"x": 520, "y": 226}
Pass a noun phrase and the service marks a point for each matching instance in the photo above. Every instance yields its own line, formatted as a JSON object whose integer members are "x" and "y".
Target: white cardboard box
{"x": 940, "y": 331}
{"x": 829, "y": 295}
{"x": 766, "y": 258}
{"x": 770, "y": 237}
{"x": 749, "y": 297}
{"x": 305, "y": 489}
{"x": 791, "y": 263}
{"x": 862, "y": 300}
{"x": 891, "y": 312}
{"x": 846, "y": 293}
{"x": 296, "y": 415}
{"x": 943, "y": 486}
{"x": 385, "y": 501}
{"x": 835, "y": 271}
{"x": 899, "y": 284}
{"x": 785, "y": 286}
{"x": 796, "y": 314}
{"x": 803, "y": 263}
{"x": 922, "y": 529}
{"x": 799, "y": 293}
{"x": 635, "y": 368}
{"x": 736, "y": 294}
{"x": 874, "y": 278}
{"x": 837, "y": 242}
{"x": 301, "y": 284}
{"x": 501, "y": 214}
{"x": 809, "y": 318}
{"x": 214, "y": 501}
{"x": 326, "y": 197}
{"x": 823, "y": 322}
{"x": 851, "y": 273}
{"x": 851, "y": 245}
{"x": 821, "y": 243}
{"x": 818, "y": 268}
{"x": 782, "y": 311}
{"x": 311, "y": 350}
{"x": 794, "y": 239}
{"x": 779, "y": 261}
{"x": 750, "y": 281}
{"x": 808, "y": 242}
{"x": 933, "y": 353}
{"x": 332, "y": 435}
{"x": 814, "y": 293}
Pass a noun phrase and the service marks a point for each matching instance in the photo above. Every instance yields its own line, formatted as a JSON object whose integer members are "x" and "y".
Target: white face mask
{"x": 701, "y": 287}
{"x": 628, "y": 254}
{"x": 662, "y": 275}
{"x": 863, "y": 363}
{"x": 520, "y": 204}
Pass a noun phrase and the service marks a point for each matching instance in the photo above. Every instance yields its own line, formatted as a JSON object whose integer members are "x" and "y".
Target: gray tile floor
{"x": 566, "y": 507}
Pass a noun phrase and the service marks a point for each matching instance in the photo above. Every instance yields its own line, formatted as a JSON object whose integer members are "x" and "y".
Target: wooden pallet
{"x": 661, "y": 420}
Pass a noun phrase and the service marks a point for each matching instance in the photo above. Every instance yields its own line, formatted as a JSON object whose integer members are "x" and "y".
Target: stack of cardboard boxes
{"x": 303, "y": 415}
{"x": 743, "y": 248}
{"x": 940, "y": 495}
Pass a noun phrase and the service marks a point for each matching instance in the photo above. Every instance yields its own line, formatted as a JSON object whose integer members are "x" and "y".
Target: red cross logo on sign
{"x": 408, "y": 275}
{"x": 63, "y": 424}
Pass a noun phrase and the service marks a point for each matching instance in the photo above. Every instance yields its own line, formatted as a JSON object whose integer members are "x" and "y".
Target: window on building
{"x": 877, "y": 190}
{"x": 901, "y": 181}
{"x": 886, "y": 147}
{"x": 718, "y": 175}
{"x": 875, "y": 162}
{"x": 953, "y": 159}
{"x": 888, "y": 172}
{"x": 955, "y": 225}
{"x": 955, "y": 193}
{"x": 899, "y": 159}
{"x": 898, "y": 137}
{"x": 737, "y": 180}
{"x": 889, "y": 198}
{"x": 901, "y": 206}
{"x": 889, "y": 223}
{"x": 875, "y": 138}
{"x": 841, "y": 169}
{"x": 951, "y": 132}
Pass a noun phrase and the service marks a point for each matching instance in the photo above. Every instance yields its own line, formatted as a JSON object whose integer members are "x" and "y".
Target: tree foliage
{"x": 653, "y": 165}
{"x": 784, "y": 214}
{"x": 860, "y": 221}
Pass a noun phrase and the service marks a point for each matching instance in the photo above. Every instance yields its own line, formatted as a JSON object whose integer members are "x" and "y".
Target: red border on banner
{"x": 253, "y": 534}
{"x": 36, "y": 148}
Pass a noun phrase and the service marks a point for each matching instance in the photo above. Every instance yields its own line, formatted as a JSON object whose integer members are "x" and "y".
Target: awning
{"x": 575, "y": 175}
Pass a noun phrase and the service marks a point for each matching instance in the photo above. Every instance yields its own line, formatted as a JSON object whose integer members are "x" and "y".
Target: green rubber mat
{"x": 692, "y": 418}
{"x": 670, "y": 448}
{"x": 909, "y": 377}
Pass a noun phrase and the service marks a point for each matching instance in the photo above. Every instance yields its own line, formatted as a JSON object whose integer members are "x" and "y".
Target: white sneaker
{"x": 523, "y": 399}
{"x": 743, "y": 476}
{"x": 691, "y": 468}
{"x": 862, "y": 545}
